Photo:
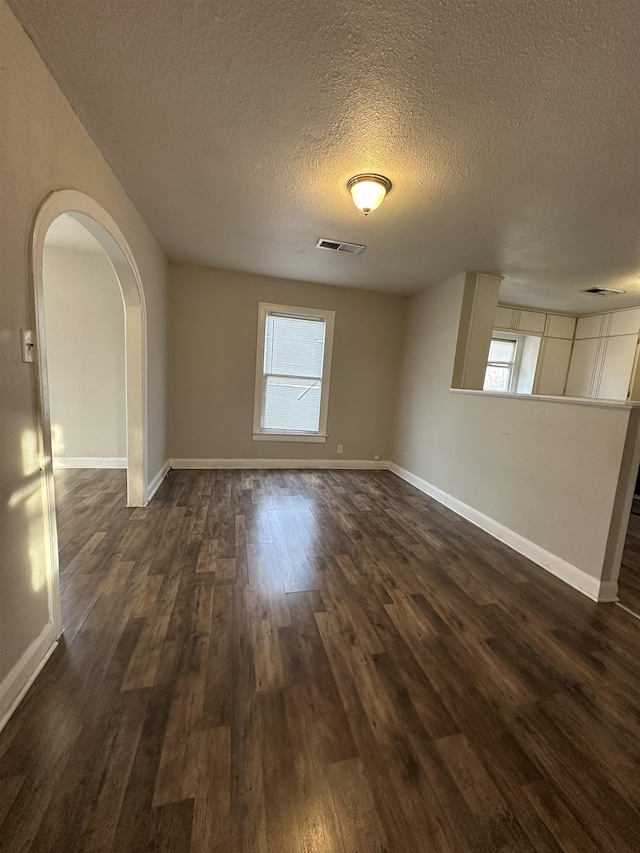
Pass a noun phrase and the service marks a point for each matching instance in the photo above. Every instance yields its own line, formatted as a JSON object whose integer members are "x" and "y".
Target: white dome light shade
{"x": 368, "y": 191}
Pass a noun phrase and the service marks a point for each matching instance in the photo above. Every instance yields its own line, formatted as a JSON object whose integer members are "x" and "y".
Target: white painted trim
{"x": 329, "y": 317}
{"x": 544, "y": 398}
{"x": 259, "y": 464}
{"x": 155, "y": 484}
{"x": 592, "y": 587}
{"x": 100, "y": 224}
{"x": 608, "y": 591}
{"x": 90, "y": 462}
{"x": 24, "y": 673}
{"x": 311, "y": 438}
{"x": 105, "y": 230}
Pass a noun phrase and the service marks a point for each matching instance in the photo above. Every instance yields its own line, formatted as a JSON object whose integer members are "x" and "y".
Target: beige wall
{"x": 44, "y": 147}
{"x": 85, "y": 354}
{"x": 546, "y": 470}
{"x": 213, "y": 359}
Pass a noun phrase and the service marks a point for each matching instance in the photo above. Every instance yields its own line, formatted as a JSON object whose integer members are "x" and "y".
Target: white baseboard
{"x": 155, "y": 484}
{"x": 24, "y": 673}
{"x": 608, "y": 591}
{"x": 21, "y": 677}
{"x": 592, "y": 587}
{"x": 279, "y": 463}
{"x": 89, "y": 462}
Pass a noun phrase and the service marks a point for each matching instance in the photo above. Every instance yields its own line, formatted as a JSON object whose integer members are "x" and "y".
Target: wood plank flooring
{"x": 317, "y": 662}
{"x": 629, "y": 580}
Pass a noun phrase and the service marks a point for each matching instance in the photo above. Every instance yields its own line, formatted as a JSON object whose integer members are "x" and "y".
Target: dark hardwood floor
{"x": 629, "y": 579}
{"x": 310, "y": 662}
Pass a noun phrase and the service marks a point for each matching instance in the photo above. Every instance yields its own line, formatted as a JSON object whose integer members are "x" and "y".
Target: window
{"x": 293, "y": 367}
{"x": 501, "y": 373}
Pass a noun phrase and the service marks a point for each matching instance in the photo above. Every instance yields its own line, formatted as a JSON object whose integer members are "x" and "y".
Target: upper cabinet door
{"x": 612, "y": 323}
{"x": 504, "y": 318}
{"x": 582, "y": 369}
{"x": 617, "y": 365}
{"x": 518, "y": 320}
{"x": 625, "y": 322}
{"x": 531, "y": 321}
{"x": 560, "y": 326}
{"x": 589, "y": 327}
{"x": 553, "y": 367}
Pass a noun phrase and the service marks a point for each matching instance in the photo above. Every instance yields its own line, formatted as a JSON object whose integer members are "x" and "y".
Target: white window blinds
{"x": 499, "y": 375}
{"x": 292, "y": 372}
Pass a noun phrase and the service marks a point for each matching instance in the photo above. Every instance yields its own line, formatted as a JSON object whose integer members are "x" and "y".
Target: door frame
{"x": 102, "y": 226}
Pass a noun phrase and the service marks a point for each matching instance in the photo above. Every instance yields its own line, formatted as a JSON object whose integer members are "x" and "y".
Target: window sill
{"x": 289, "y": 436}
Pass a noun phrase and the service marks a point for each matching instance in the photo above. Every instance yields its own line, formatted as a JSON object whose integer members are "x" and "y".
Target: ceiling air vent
{"x": 335, "y": 246}
{"x": 602, "y": 291}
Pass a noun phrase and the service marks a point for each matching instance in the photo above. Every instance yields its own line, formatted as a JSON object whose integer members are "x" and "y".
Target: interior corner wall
{"x": 475, "y": 328}
{"x": 547, "y": 471}
{"x": 84, "y": 317}
{"x": 212, "y": 343}
{"x": 44, "y": 147}
{"x": 624, "y": 500}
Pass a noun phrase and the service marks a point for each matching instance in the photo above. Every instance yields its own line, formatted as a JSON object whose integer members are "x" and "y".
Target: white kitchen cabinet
{"x": 601, "y": 367}
{"x": 612, "y": 323}
{"x": 582, "y": 369}
{"x": 617, "y": 365}
{"x": 625, "y": 322}
{"x": 592, "y": 356}
{"x": 589, "y": 327}
{"x": 520, "y": 320}
{"x": 504, "y": 317}
{"x": 553, "y": 366}
{"x": 531, "y": 321}
{"x": 560, "y": 326}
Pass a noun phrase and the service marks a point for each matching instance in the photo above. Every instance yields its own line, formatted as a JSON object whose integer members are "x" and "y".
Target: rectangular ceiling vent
{"x": 602, "y": 291}
{"x": 335, "y": 246}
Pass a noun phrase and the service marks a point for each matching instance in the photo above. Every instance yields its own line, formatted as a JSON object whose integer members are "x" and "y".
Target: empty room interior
{"x": 320, "y": 426}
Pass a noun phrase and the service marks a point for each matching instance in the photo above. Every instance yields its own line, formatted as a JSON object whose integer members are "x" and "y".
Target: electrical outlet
{"x": 340, "y": 448}
{"x": 376, "y": 457}
{"x": 404, "y": 457}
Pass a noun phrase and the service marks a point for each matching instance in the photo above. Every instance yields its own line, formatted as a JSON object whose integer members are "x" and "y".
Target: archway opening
{"x": 84, "y": 318}
{"x": 84, "y": 216}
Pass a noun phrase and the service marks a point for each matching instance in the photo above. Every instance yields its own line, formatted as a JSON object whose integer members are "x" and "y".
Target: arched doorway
{"x": 103, "y": 228}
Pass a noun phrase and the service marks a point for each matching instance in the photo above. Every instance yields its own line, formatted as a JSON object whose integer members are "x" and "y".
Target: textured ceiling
{"x": 65, "y": 233}
{"x": 510, "y": 130}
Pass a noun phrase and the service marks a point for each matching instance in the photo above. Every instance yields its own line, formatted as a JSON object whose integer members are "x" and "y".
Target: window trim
{"x": 320, "y": 436}
{"x": 518, "y": 339}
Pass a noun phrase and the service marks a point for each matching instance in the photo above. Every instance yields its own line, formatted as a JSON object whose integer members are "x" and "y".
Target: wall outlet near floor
{"x": 340, "y": 448}
{"x": 404, "y": 457}
{"x": 376, "y": 457}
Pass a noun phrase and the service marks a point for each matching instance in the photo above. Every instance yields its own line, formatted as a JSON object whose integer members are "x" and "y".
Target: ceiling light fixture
{"x": 368, "y": 191}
